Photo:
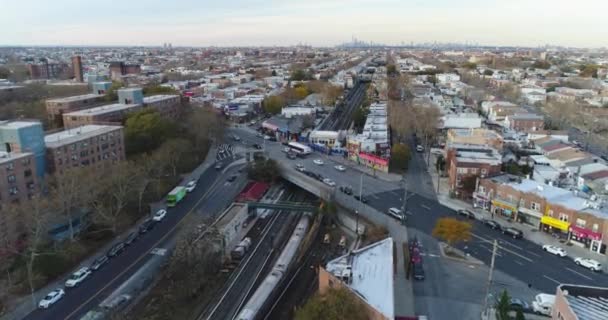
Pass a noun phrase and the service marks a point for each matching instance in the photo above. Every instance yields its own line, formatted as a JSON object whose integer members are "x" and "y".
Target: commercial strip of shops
{"x": 582, "y": 223}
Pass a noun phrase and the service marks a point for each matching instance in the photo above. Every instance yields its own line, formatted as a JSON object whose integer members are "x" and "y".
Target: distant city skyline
{"x": 314, "y": 22}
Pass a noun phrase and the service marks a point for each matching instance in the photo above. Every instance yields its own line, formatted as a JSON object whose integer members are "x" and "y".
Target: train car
{"x": 260, "y": 298}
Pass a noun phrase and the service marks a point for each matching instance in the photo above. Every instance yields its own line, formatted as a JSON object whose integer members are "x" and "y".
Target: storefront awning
{"x": 555, "y": 223}
{"x": 585, "y": 233}
{"x": 504, "y": 205}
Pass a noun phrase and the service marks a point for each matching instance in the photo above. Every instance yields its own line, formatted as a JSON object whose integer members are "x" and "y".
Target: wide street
{"x": 213, "y": 193}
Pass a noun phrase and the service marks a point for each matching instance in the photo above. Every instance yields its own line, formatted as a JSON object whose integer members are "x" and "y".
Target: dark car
{"x": 291, "y": 155}
{"x": 116, "y": 249}
{"x": 492, "y": 224}
{"x": 346, "y": 189}
{"x": 466, "y": 213}
{"x": 418, "y": 271}
{"x": 147, "y": 226}
{"x": 257, "y": 146}
{"x": 131, "y": 238}
{"x": 512, "y": 232}
{"x": 362, "y": 199}
{"x": 219, "y": 166}
{"x": 232, "y": 178}
{"x": 99, "y": 262}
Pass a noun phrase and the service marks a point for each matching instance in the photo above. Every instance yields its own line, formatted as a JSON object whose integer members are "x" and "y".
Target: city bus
{"x": 176, "y": 195}
{"x": 299, "y": 149}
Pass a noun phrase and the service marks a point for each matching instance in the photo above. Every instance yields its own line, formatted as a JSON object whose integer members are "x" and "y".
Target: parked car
{"x": 418, "y": 271}
{"x": 257, "y": 146}
{"x": 51, "y": 298}
{"x": 326, "y": 238}
{"x": 147, "y": 226}
{"x": 466, "y": 213}
{"x": 515, "y": 233}
{"x": 231, "y": 178}
{"x": 329, "y": 182}
{"x": 346, "y": 189}
{"x": 236, "y": 138}
{"x": 419, "y": 148}
{"x": 116, "y": 249}
{"x": 131, "y": 238}
{"x": 340, "y": 168}
{"x": 77, "y": 277}
{"x": 555, "y": 250}
{"x": 492, "y": 224}
{"x": 519, "y": 304}
{"x": 191, "y": 186}
{"x": 99, "y": 262}
{"x": 589, "y": 264}
{"x": 159, "y": 215}
{"x": 116, "y": 303}
{"x": 318, "y": 162}
{"x": 362, "y": 198}
{"x": 219, "y": 166}
{"x": 291, "y": 155}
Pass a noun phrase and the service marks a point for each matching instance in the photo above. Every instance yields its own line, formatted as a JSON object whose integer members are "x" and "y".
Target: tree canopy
{"x": 299, "y": 75}
{"x": 146, "y": 130}
{"x": 273, "y": 104}
{"x": 452, "y": 230}
{"x": 152, "y": 90}
{"x": 400, "y": 157}
{"x": 336, "y": 304}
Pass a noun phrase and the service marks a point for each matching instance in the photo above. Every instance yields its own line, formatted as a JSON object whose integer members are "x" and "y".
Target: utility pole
{"x": 359, "y": 205}
{"x": 438, "y": 179}
{"x": 404, "y": 211}
{"x": 490, "y": 274}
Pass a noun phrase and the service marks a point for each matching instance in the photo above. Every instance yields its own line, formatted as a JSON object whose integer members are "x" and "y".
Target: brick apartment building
{"x": 18, "y": 179}
{"x": 570, "y": 215}
{"x": 89, "y": 145}
{"x": 113, "y": 113}
{"x": 167, "y": 105}
{"x": 120, "y": 68}
{"x": 55, "y": 108}
{"x": 466, "y": 163}
{"x": 574, "y": 302}
{"x": 481, "y": 137}
{"x": 47, "y": 70}
{"x": 77, "y": 68}
{"x": 525, "y": 122}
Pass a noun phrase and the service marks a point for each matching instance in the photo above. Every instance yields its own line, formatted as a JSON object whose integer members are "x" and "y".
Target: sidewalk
{"x": 23, "y": 306}
{"x": 388, "y": 177}
{"x": 530, "y": 233}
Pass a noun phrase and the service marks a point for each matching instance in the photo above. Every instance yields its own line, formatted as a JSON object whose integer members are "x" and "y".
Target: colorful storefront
{"x": 529, "y": 217}
{"x": 503, "y": 208}
{"x": 555, "y": 226}
{"x": 481, "y": 201}
{"x": 587, "y": 238}
{"x": 372, "y": 161}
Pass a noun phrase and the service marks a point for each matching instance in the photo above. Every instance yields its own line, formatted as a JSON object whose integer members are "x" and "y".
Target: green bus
{"x": 176, "y": 195}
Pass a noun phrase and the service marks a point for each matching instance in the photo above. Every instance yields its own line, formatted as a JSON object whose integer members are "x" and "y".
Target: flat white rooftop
{"x": 6, "y": 157}
{"x": 69, "y": 136}
{"x": 103, "y": 109}
{"x": 160, "y": 97}
{"x": 76, "y": 98}
{"x": 372, "y": 274}
{"x": 17, "y": 124}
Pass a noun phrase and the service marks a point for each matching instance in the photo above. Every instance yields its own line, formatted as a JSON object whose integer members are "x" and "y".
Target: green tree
{"x": 503, "y": 306}
{"x": 301, "y": 92}
{"x": 266, "y": 170}
{"x": 589, "y": 71}
{"x": 4, "y": 73}
{"x": 440, "y": 163}
{"x": 469, "y": 65}
{"x": 519, "y": 315}
{"x": 391, "y": 69}
{"x": 400, "y": 157}
{"x": 273, "y": 104}
{"x": 156, "y": 89}
{"x": 274, "y": 73}
{"x": 488, "y": 72}
{"x": 541, "y": 64}
{"x": 299, "y": 75}
{"x": 335, "y": 304}
{"x": 112, "y": 94}
{"x": 452, "y": 230}
{"x": 359, "y": 117}
{"x": 432, "y": 79}
{"x": 146, "y": 130}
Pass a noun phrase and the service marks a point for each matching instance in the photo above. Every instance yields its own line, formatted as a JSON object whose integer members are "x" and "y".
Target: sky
{"x": 580, "y": 23}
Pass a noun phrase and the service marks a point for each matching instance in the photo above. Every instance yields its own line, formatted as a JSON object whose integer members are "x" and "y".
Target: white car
{"x": 191, "y": 186}
{"x": 300, "y": 167}
{"x": 318, "y": 162}
{"x": 51, "y": 298}
{"x": 159, "y": 215}
{"x": 77, "y": 277}
{"x": 555, "y": 250}
{"x": 329, "y": 182}
{"x": 340, "y": 168}
{"x": 419, "y": 148}
{"x": 589, "y": 264}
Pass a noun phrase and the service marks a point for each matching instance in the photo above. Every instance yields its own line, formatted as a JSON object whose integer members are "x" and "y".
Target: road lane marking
{"x": 552, "y": 279}
{"x": 490, "y": 250}
{"x": 503, "y": 248}
{"x": 580, "y": 274}
{"x": 509, "y": 243}
{"x": 425, "y": 207}
{"x": 518, "y": 262}
{"x": 375, "y": 196}
{"x": 145, "y": 254}
{"x": 532, "y": 253}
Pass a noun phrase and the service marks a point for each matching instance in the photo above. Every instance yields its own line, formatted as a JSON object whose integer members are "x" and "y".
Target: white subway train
{"x": 261, "y": 295}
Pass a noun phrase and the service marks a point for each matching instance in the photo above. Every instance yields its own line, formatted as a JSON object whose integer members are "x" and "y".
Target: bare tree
{"x": 69, "y": 191}
{"x": 117, "y": 183}
{"x": 172, "y": 152}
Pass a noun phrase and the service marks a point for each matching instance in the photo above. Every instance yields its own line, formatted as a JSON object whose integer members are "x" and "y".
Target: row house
{"x": 479, "y": 136}
{"x": 466, "y": 163}
{"x": 525, "y": 122}
{"x": 55, "y": 108}
{"x": 570, "y": 215}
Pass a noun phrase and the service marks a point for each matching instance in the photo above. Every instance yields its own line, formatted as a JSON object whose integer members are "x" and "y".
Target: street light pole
{"x": 404, "y": 199}
{"x": 490, "y": 274}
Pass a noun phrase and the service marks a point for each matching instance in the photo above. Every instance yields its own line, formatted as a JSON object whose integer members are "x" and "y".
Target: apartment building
{"x": 18, "y": 179}
{"x": 47, "y": 70}
{"x": 24, "y": 136}
{"x": 55, "y": 108}
{"x": 466, "y": 163}
{"x": 571, "y": 215}
{"x": 167, "y": 105}
{"x": 525, "y": 122}
{"x": 113, "y": 113}
{"x": 578, "y": 302}
{"x": 480, "y": 137}
{"x": 88, "y": 145}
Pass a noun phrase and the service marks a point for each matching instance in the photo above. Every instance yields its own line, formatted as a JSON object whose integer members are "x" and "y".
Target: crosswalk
{"x": 224, "y": 150}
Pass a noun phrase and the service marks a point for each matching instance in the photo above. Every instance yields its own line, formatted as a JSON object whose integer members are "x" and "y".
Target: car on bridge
{"x": 346, "y": 189}
{"x": 340, "y": 168}
{"x": 318, "y": 162}
{"x": 555, "y": 250}
{"x": 329, "y": 182}
{"x": 589, "y": 264}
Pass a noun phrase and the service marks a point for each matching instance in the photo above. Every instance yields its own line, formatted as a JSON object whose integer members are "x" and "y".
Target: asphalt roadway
{"x": 213, "y": 193}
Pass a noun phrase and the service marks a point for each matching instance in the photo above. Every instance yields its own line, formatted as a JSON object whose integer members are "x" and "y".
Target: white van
{"x": 543, "y": 303}
{"x": 395, "y": 213}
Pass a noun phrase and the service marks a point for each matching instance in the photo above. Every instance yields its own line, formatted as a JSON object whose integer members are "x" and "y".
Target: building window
{"x": 522, "y": 202}
{"x": 13, "y": 191}
{"x": 595, "y": 227}
{"x": 563, "y": 217}
{"x": 473, "y": 170}
{"x": 580, "y": 223}
{"x": 11, "y": 178}
{"x": 535, "y": 206}
{"x": 10, "y": 166}
{"x": 484, "y": 172}
{"x": 26, "y": 161}
{"x": 27, "y": 173}
{"x": 461, "y": 170}
{"x": 550, "y": 214}
{"x": 481, "y": 189}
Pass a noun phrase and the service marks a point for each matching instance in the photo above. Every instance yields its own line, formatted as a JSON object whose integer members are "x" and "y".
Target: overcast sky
{"x": 580, "y": 23}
